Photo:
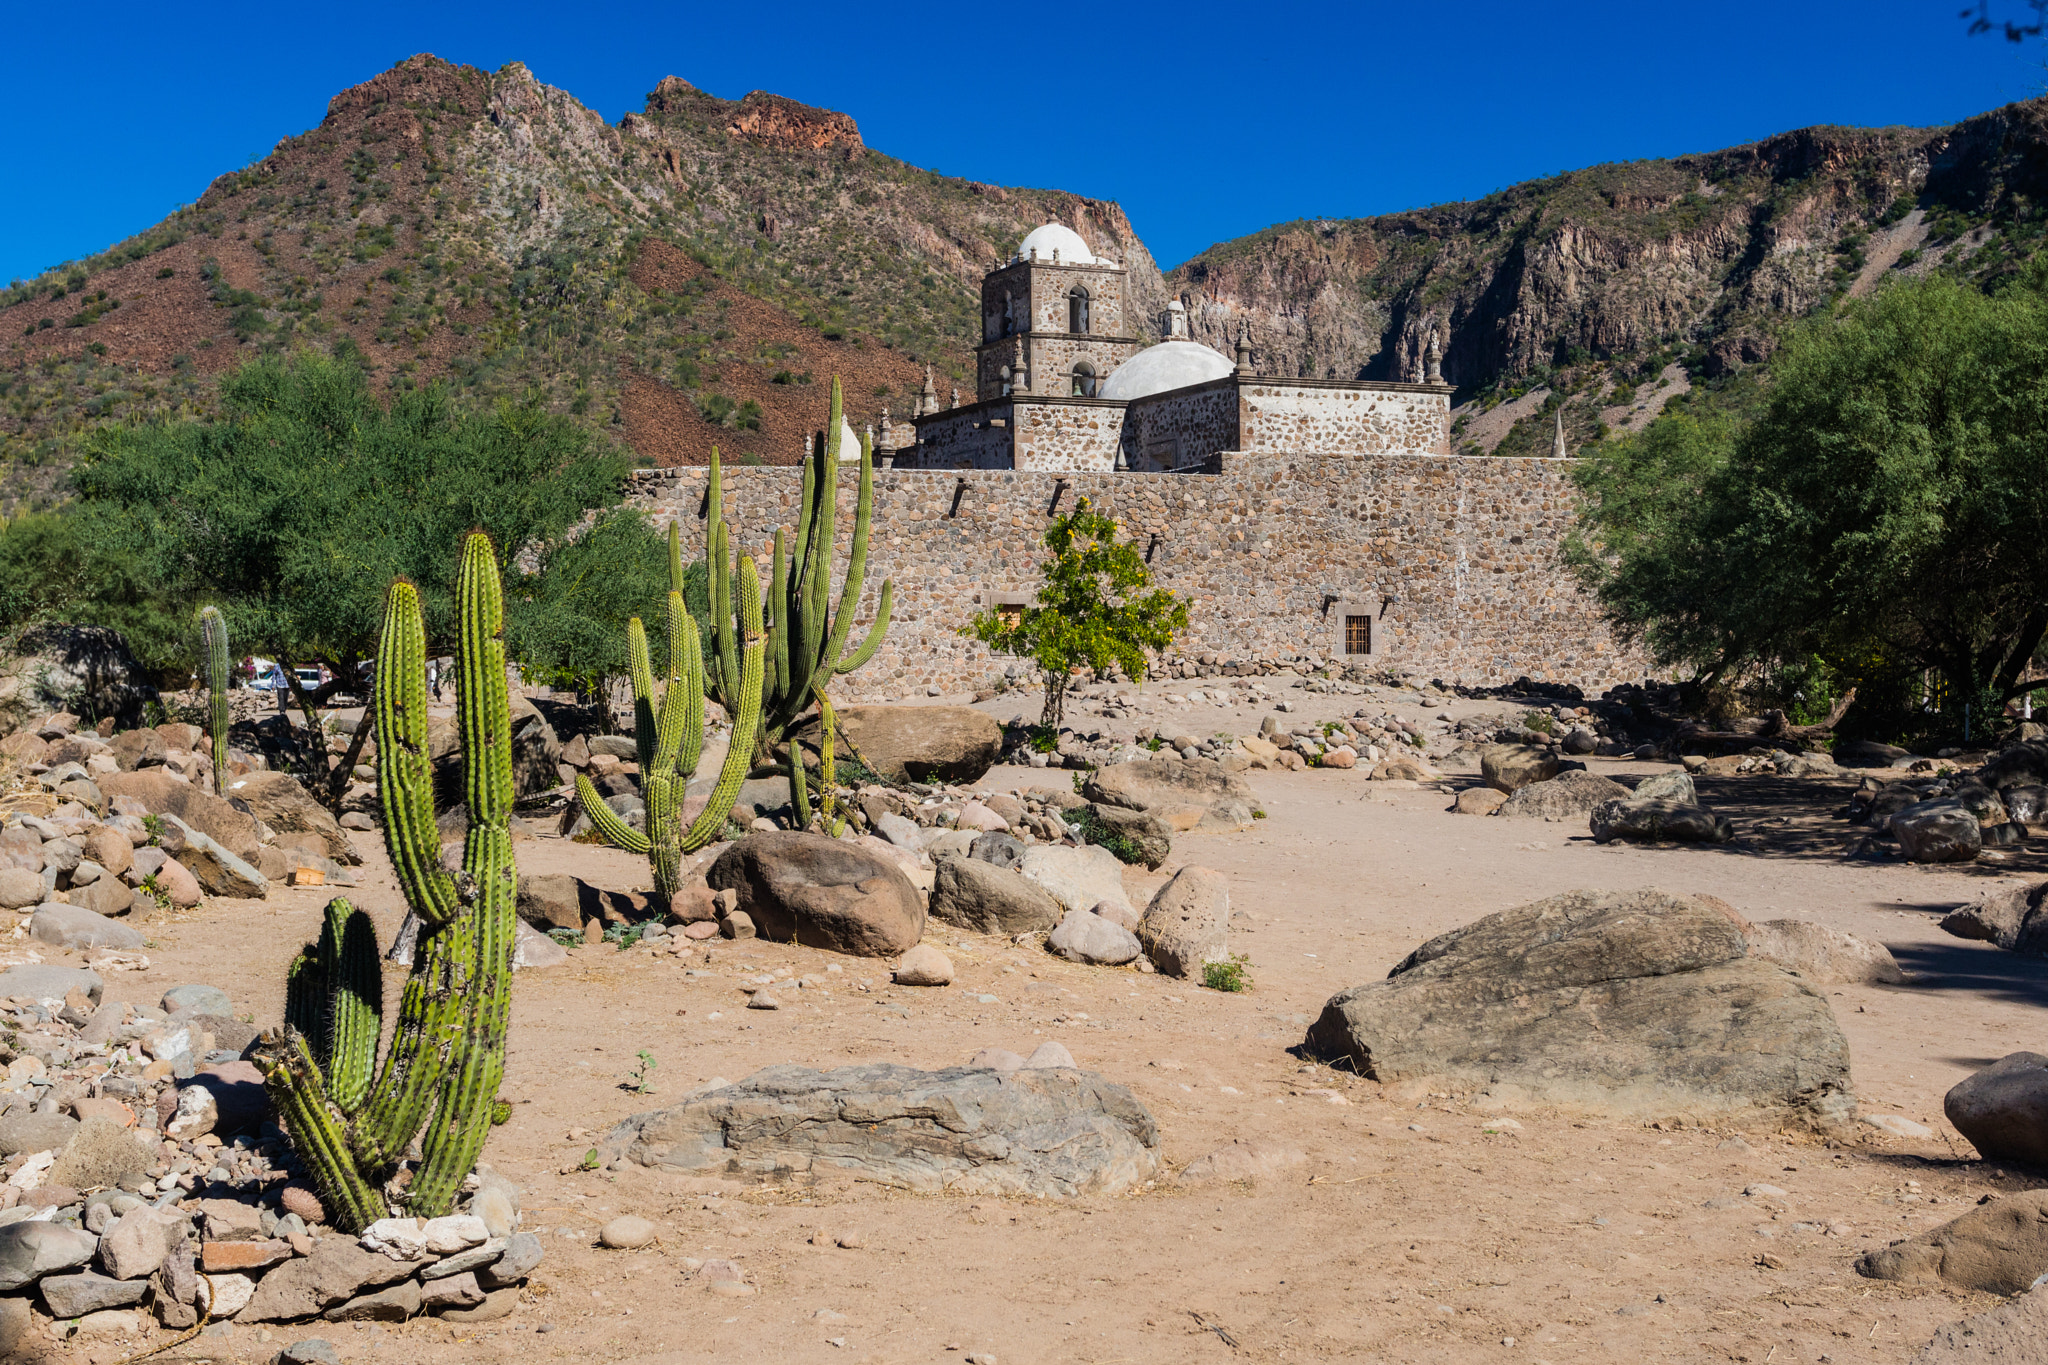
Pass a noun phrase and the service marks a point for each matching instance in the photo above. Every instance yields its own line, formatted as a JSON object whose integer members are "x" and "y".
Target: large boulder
{"x": 31, "y": 1250}
{"x": 1641, "y": 1004}
{"x": 821, "y": 893}
{"x": 915, "y": 743}
{"x": 1188, "y": 922}
{"x": 162, "y": 792}
{"x": 55, "y": 668}
{"x": 1941, "y": 830}
{"x": 41, "y": 981}
{"x": 1054, "y": 1132}
{"x": 1079, "y": 878}
{"x": 1510, "y": 767}
{"x": 1823, "y": 955}
{"x": 1143, "y": 833}
{"x": 218, "y": 871}
{"x": 2021, "y": 765}
{"x": 1568, "y": 796}
{"x": 134, "y": 749}
{"x": 1651, "y": 821}
{"x": 76, "y": 928}
{"x": 336, "y": 1272}
{"x": 1093, "y": 940}
{"x": 2010, "y": 1334}
{"x": 988, "y": 899}
{"x": 2013, "y": 919}
{"x": 282, "y": 802}
{"x": 1868, "y": 753}
{"x": 2003, "y": 1109}
{"x": 1186, "y": 793}
{"x": 1997, "y": 1248}
{"x": 1672, "y": 786}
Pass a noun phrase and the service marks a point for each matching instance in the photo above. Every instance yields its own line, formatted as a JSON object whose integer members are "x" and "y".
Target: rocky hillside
{"x": 695, "y": 274}
{"x": 1589, "y": 286}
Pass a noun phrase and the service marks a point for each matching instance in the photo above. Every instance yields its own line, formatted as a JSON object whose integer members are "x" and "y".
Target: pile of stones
{"x": 1935, "y": 819}
{"x": 143, "y": 1172}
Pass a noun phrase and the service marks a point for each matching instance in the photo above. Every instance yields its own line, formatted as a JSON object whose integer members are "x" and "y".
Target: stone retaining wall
{"x": 1459, "y": 558}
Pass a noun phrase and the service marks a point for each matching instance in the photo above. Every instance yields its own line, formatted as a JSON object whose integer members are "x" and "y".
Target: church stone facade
{"x": 1308, "y": 522}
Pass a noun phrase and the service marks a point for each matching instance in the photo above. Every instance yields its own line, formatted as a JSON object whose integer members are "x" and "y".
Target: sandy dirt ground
{"x": 1412, "y": 1230}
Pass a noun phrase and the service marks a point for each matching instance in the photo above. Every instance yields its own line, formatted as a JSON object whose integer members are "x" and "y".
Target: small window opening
{"x": 1010, "y": 614}
{"x": 1077, "y": 310}
{"x": 1084, "y": 380}
{"x": 1358, "y": 635}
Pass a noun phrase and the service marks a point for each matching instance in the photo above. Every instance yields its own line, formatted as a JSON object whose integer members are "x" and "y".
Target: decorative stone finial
{"x": 1176, "y": 321}
{"x": 1557, "y": 450}
{"x": 1244, "y": 347}
{"x": 1433, "y": 372}
{"x": 956, "y": 396}
{"x": 928, "y": 401}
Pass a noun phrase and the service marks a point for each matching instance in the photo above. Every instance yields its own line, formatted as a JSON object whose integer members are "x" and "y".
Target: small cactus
{"x": 351, "y": 1120}
{"x": 669, "y": 737}
{"x": 213, "y": 643}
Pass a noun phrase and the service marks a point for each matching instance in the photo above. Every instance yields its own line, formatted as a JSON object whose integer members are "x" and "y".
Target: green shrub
{"x": 1089, "y": 827}
{"x": 1228, "y": 976}
{"x": 1539, "y": 721}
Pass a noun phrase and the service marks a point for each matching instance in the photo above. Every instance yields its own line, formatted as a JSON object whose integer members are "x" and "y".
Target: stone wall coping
{"x": 1278, "y": 381}
{"x": 1060, "y": 336}
{"x": 1232, "y": 460}
{"x": 1047, "y": 263}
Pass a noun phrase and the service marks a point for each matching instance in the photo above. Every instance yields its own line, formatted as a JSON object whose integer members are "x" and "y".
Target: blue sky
{"x": 1206, "y": 121}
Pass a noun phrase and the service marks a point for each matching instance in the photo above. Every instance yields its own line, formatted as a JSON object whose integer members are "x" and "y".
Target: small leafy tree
{"x": 1092, "y": 612}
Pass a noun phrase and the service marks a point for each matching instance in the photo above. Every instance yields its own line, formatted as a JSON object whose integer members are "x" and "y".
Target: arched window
{"x": 1077, "y": 310}
{"x": 1084, "y": 380}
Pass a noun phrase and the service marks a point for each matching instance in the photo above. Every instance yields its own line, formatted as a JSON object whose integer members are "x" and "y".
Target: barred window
{"x": 1358, "y": 635}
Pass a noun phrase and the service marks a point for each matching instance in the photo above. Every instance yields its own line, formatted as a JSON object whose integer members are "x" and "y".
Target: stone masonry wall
{"x": 1170, "y": 430}
{"x": 964, "y": 438}
{"x": 1466, "y": 549}
{"x": 1068, "y": 434}
{"x": 1295, "y": 414}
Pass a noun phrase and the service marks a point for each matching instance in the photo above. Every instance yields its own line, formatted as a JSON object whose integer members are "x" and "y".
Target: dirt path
{"x": 1412, "y": 1231}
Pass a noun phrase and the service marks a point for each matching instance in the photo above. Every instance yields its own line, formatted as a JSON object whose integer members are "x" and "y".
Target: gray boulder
{"x": 1568, "y": 796}
{"x": 1938, "y": 831}
{"x": 219, "y": 872}
{"x": 822, "y": 893}
{"x": 1641, "y": 1003}
{"x": 31, "y": 1250}
{"x": 989, "y": 899}
{"x": 1510, "y": 767}
{"x": 1672, "y": 786}
{"x": 75, "y": 927}
{"x": 40, "y": 982}
{"x": 1654, "y": 821}
{"x": 73, "y": 1296}
{"x": 26, "y": 1131}
{"x": 2026, "y": 806}
{"x": 2003, "y": 1109}
{"x": 916, "y": 743}
{"x": 2012, "y": 919}
{"x": 1052, "y": 1132}
{"x": 2020, "y": 765}
{"x": 2010, "y": 1334}
{"x": 1149, "y": 835}
{"x": 1079, "y": 878}
{"x": 997, "y": 849}
{"x": 1868, "y": 753}
{"x": 1096, "y": 940}
{"x": 161, "y": 793}
{"x": 282, "y": 802}
{"x": 336, "y": 1272}
{"x": 1824, "y": 955}
{"x": 1996, "y": 1248}
{"x": 1186, "y": 793}
{"x": 1188, "y": 922}
{"x": 20, "y": 888}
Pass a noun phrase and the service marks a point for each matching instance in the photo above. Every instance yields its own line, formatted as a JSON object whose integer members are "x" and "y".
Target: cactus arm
{"x": 828, "y": 804}
{"x": 675, "y": 556}
{"x": 778, "y": 628}
{"x": 745, "y": 722}
{"x": 483, "y": 708}
{"x": 616, "y": 832}
{"x": 856, "y": 571}
{"x": 675, "y": 695}
{"x": 693, "y": 716}
{"x": 641, "y": 670}
{"x": 874, "y": 640}
{"x": 355, "y": 1003}
{"x": 306, "y": 997}
{"x": 405, "y": 772}
{"x": 213, "y": 639}
{"x": 292, "y": 1079}
{"x": 429, "y": 1023}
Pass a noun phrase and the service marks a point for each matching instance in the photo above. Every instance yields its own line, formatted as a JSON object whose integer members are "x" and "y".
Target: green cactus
{"x": 213, "y": 643}
{"x": 670, "y": 738}
{"x": 447, "y": 1052}
{"x": 806, "y": 635}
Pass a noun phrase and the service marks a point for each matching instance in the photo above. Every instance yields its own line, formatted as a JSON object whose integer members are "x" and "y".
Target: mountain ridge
{"x": 695, "y": 272}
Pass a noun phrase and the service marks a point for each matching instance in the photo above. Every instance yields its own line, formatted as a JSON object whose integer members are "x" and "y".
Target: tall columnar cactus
{"x": 447, "y": 1052}
{"x": 670, "y": 737}
{"x": 213, "y": 660}
{"x": 806, "y": 634}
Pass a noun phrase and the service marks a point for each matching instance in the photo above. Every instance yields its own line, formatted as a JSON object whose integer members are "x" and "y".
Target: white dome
{"x": 1056, "y": 237}
{"x": 1169, "y": 365}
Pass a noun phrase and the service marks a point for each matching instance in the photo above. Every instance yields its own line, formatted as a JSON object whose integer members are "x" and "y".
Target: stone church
{"x": 1062, "y": 383}
{"x": 1308, "y": 522}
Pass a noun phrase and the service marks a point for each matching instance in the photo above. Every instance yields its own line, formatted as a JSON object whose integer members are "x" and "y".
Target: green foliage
{"x": 569, "y": 628}
{"x": 640, "y": 1080}
{"x": 1886, "y": 505}
{"x": 1231, "y": 975}
{"x": 1090, "y": 828}
{"x": 1092, "y": 612}
{"x": 294, "y": 509}
{"x": 1539, "y": 721}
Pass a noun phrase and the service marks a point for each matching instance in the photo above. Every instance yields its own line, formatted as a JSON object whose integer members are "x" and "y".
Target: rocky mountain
{"x": 1595, "y": 282}
{"x": 694, "y": 275}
